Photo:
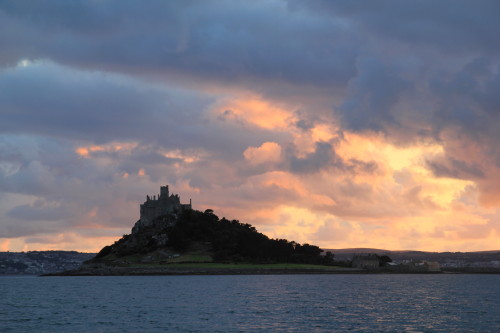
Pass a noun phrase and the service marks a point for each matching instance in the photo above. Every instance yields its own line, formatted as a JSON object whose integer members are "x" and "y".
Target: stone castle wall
{"x": 162, "y": 204}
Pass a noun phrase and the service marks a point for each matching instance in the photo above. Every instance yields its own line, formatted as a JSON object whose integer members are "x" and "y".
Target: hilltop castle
{"x": 162, "y": 205}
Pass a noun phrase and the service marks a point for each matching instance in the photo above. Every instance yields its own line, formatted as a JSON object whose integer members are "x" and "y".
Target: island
{"x": 173, "y": 238}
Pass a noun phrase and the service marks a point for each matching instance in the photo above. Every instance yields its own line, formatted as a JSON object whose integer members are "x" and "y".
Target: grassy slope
{"x": 200, "y": 258}
{"x": 235, "y": 265}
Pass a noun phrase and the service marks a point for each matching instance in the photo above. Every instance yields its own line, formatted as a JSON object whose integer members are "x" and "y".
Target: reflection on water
{"x": 245, "y": 303}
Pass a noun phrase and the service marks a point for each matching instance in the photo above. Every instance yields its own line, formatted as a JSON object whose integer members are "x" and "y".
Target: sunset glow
{"x": 328, "y": 123}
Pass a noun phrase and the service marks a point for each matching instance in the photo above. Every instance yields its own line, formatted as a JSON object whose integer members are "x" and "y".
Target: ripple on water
{"x": 257, "y": 303}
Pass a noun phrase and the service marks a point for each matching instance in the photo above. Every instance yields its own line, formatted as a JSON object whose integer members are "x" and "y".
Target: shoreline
{"x": 138, "y": 271}
{"x": 126, "y": 271}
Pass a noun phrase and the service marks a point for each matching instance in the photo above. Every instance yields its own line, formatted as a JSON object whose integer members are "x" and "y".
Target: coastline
{"x": 192, "y": 270}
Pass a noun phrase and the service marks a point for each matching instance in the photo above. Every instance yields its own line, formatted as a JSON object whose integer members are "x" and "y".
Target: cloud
{"x": 221, "y": 40}
{"x": 373, "y": 96}
{"x": 455, "y": 169}
{"x": 82, "y": 105}
{"x": 95, "y": 107}
{"x": 323, "y": 156}
{"x": 268, "y": 152}
{"x": 369, "y": 122}
{"x": 453, "y": 26}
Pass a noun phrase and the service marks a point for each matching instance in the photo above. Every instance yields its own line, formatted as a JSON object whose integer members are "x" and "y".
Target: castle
{"x": 162, "y": 205}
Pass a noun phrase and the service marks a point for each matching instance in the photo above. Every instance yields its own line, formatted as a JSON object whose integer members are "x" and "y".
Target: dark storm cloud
{"x": 349, "y": 46}
{"x": 322, "y": 157}
{"x": 455, "y": 169}
{"x": 223, "y": 40}
{"x": 363, "y": 51}
{"x": 49, "y": 100}
{"x": 39, "y": 212}
{"x": 82, "y": 73}
{"x": 373, "y": 95}
{"x": 306, "y": 120}
{"x": 427, "y": 65}
{"x": 35, "y": 165}
{"x": 358, "y": 166}
{"x": 45, "y": 98}
{"x": 49, "y": 188}
{"x": 468, "y": 98}
{"x": 451, "y": 25}
{"x": 150, "y": 155}
{"x": 45, "y": 167}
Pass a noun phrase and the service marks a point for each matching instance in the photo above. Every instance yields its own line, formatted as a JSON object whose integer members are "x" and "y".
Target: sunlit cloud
{"x": 323, "y": 122}
{"x": 87, "y": 151}
{"x": 268, "y": 152}
{"x": 254, "y": 110}
{"x": 5, "y": 245}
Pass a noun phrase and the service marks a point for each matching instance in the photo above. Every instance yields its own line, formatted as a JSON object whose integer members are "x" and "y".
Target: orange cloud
{"x": 5, "y": 245}
{"x": 398, "y": 204}
{"x": 68, "y": 241}
{"x": 254, "y": 110}
{"x": 186, "y": 157}
{"x": 268, "y": 152}
{"x": 402, "y": 206}
{"x": 86, "y": 151}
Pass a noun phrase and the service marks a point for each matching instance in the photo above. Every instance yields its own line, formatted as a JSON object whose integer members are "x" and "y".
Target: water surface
{"x": 251, "y": 303}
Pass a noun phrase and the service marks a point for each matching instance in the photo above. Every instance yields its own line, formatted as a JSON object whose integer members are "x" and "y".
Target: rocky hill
{"x": 195, "y": 236}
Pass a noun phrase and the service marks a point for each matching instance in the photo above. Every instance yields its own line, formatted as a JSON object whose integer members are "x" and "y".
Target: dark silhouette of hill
{"x": 222, "y": 239}
{"x": 441, "y": 257}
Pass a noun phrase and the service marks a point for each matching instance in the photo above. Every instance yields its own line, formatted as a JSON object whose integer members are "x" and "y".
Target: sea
{"x": 251, "y": 303}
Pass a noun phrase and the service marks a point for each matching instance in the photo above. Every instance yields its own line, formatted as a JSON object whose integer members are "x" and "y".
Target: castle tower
{"x": 162, "y": 204}
{"x": 164, "y": 193}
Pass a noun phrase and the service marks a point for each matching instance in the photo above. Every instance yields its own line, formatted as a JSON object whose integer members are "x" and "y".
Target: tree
{"x": 383, "y": 260}
{"x": 328, "y": 258}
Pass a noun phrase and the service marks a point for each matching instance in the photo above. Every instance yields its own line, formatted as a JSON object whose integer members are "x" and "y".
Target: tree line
{"x": 228, "y": 240}
{"x": 234, "y": 241}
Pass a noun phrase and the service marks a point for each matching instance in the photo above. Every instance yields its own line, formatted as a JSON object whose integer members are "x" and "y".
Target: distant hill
{"x": 451, "y": 259}
{"x": 358, "y": 250}
{"x": 40, "y": 262}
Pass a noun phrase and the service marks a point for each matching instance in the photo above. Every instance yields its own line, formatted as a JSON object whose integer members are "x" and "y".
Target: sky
{"x": 342, "y": 124}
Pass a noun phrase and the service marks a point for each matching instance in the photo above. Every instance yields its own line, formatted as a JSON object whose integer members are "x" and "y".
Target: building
{"x": 366, "y": 261}
{"x": 162, "y": 204}
{"x": 424, "y": 266}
